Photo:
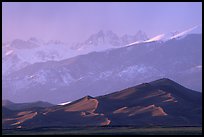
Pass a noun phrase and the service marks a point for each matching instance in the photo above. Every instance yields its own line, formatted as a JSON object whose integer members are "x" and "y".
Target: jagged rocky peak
{"x": 22, "y": 44}
{"x": 140, "y": 35}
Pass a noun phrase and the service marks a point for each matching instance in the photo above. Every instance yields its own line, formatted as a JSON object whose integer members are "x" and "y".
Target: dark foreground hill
{"x": 19, "y": 106}
{"x": 159, "y": 103}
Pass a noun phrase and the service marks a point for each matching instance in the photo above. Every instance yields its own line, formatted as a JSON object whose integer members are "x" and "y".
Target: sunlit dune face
{"x": 123, "y": 94}
{"x": 27, "y": 116}
{"x": 132, "y": 111}
{"x": 158, "y": 111}
{"x": 154, "y": 94}
{"x": 106, "y": 122}
{"x": 166, "y": 97}
{"x": 24, "y": 116}
{"x": 24, "y": 113}
{"x": 85, "y": 105}
{"x": 169, "y": 98}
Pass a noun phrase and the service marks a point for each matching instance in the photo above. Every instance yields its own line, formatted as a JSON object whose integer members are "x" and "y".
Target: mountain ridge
{"x": 19, "y": 106}
{"x": 110, "y": 70}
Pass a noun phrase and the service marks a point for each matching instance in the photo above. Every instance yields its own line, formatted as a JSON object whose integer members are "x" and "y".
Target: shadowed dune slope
{"x": 159, "y": 103}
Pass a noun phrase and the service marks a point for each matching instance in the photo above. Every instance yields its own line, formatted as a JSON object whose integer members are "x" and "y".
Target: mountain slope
{"x": 111, "y": 70}
{"x": 158, "y": 103}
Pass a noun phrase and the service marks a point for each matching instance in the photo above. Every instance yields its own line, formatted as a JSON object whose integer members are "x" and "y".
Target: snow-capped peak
{"x": 107, "y": 40}
{"x": 183, "y": 33}
{"x": 156, "y": 38}
{"x": 137, "y": 42}
{"x": 167, "y": 36}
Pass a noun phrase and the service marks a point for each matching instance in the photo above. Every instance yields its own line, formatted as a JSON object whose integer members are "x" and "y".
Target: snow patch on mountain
{"x": 105, "y": 74}
{"x": 64, "y": 103}
{"x": 183, "y": 33}
{"x": 140, "y": 70}
{"x": 67, "y": 78}
{"x": 167, "y": 36}
{"x": 38, "y": 77}
{"x": 131, "y": 70}
{"x": 157, "y": 38}
{"x": 9, "y": 52}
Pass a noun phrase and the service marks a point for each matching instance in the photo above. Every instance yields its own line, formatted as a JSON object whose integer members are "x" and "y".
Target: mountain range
{"x": 18, "y": 53}
{"x": 161, "y": 102}
{"x": 102, "y": 72}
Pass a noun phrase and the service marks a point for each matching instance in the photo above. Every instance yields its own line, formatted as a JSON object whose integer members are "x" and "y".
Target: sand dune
{"x": 161, "y": 102}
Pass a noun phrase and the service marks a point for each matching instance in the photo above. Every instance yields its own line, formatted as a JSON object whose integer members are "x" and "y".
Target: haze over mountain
{"x": 20, "y": 53}
{"x": 179, "y": 58}
{"x": 32, "y": 67}
{"x": 158, "y": 103}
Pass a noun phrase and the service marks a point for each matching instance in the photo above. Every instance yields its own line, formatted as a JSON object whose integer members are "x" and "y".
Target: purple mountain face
{"x": 179, "y": 58}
